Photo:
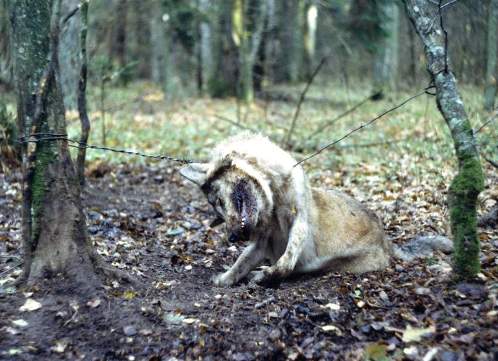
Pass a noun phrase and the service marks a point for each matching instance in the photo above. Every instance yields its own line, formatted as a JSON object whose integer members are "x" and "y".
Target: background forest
{"x": 173, "y": 78}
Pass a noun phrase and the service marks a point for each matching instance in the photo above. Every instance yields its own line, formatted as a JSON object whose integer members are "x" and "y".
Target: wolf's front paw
{"x": 223, "y": 280}
{"x": 265, "y": 277}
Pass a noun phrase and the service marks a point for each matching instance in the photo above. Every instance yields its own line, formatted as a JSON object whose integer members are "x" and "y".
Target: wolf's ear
{"x": 195, "y": 172}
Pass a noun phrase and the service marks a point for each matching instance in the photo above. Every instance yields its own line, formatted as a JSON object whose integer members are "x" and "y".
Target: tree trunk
{"x": 490, "y": 91}
{"x": 118, "y": 38}
{"x": 5, "y": 66}
{"x": 385, "y": 65}
{"x": 223, "y": 81}
{"x": 54, "y": 230}
{"x": 469, "y": 182}
{"x": 291, "y": 41}
{"x": 205, "y": 39}
{"x": 69, "y": 58}
{"x": 158, "y": 45}
{"x": 248, "y": 19}
{"x": 310, "y": 38}
{"x": 413, "y": 57}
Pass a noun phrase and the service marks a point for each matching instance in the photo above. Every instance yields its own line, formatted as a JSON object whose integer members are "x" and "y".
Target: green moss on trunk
{"x": 463, "y": 193}
{"x": 39, "y": 185}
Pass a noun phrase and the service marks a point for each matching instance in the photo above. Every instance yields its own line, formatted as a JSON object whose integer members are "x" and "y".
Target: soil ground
{"x": 150, "y": 223}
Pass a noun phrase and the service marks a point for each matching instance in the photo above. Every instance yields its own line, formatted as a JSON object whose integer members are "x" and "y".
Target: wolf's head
{"x": 237, "y": 198}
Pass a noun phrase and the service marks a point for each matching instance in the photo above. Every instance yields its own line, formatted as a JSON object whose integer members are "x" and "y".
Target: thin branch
{"x": 340, "y": 116}
{"x": 364, "y": 125}
{"x": 82, "y": 109}
{"x": 437, "y": 3}
{"x": 71, "y": 14}
{"x": 492, "y": 162}
{"x": 233, "y": 122}
{"x": 489, "y": 121}
{"x": 301, "y": 100}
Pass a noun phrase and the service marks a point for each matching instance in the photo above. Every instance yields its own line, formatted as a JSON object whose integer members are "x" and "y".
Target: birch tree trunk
{"x": 469, "y": 181}
{"x": 53, "y": 226}
{"x": 310, "y": 37}
{"x": 490, "y": 91}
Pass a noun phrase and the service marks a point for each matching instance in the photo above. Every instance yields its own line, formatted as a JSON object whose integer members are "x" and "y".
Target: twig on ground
{"x": 10, "y": 269}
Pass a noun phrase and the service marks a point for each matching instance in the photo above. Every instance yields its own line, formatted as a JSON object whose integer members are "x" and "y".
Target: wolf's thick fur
{"x": 264, "y": 199}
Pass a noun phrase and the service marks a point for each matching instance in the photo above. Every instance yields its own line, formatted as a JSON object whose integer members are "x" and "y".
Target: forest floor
{"x": 144, "y": 219}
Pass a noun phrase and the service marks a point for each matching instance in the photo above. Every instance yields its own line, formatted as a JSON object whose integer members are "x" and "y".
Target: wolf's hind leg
{"x": 251, "y": 257}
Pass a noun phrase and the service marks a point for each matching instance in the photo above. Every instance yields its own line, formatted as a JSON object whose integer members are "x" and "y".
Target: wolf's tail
{"x": 422, "y": 247}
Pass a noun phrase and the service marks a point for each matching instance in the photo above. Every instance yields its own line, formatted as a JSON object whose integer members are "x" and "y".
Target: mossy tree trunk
{"x": 490, "y": 90}
{"x": 469, "y": 182}
{"x": 54, "y": 229}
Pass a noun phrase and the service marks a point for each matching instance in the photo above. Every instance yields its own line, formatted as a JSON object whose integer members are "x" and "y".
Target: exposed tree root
{"x": 111, "y": 272}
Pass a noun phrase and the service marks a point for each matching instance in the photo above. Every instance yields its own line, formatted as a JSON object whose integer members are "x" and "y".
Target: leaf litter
{"x": 147, "y": 221}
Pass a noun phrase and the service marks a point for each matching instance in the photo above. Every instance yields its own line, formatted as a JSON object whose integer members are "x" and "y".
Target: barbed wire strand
{"x": 364, "y": 125}
{"x": 40, "y": 137}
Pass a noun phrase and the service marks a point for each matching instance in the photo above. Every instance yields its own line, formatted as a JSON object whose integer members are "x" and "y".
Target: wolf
{"x": 265, "y": 199}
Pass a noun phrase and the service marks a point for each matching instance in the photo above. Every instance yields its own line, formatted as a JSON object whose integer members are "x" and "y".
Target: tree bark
{"x": 310, "y": 37}
{"x": 248, "y": 25}
{"x": 490, "y": 90}
{"x": 159, "y": 45}
{"x": 224, "y": 78}
{"x": 118, "y": 38}
{"x": 69, "y": 58}
{"x": 82, "y": 109}
{"x": 386, "y": 52}
{"x": 5, "y": 65}
{"x": 205, "y": 39}
{"x": 54, "y": 229}
{"x": 469, "y": 181}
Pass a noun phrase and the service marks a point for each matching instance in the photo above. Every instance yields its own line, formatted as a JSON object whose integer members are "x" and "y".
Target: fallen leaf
{"x": 332, "y": 306}
{"x": 376, "y": 352}
{"x": 20, "y": 323}
{"x": 415, "y": 334}
{"x": 30, "y": 305}
{"x": 129, "y": 295}
{"x": 190, "y": 321}
{"x": 332, "y": 328}
{"x": 94, "y": 303}
{"x": 59, "y": 347}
